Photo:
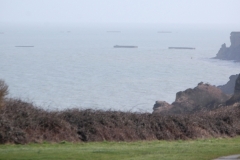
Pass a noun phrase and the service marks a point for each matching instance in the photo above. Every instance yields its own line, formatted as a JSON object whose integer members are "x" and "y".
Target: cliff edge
{"x": 232, "y": 52}
{"x": 202, "y": 97}
{"x": 228, "y": 88}
{"x": 236, "y": 96}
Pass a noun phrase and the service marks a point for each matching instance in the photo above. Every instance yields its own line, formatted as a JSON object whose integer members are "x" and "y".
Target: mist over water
{"x": 79, "y": 68}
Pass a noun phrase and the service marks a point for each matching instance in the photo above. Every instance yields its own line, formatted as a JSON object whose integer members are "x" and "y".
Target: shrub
{"x": 22, "y": 122}
{"x": 3, "y": 91}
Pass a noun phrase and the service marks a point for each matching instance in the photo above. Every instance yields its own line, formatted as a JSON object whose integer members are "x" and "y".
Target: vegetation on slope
{"x": 22, "y": 122}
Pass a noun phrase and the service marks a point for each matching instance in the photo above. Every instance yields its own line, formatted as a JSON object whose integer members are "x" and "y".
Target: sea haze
{"x": 79, "y": 68}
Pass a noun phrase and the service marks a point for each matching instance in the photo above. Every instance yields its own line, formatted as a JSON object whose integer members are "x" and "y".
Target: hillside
{"x": 22, "y": 122}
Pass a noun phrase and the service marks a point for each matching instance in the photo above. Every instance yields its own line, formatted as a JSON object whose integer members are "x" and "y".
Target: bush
{"x": 3, "y": 91}
{"x": 22, "y": 122}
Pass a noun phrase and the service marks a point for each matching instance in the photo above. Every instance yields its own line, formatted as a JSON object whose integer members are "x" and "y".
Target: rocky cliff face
{"x": 237, "y": 86}
{"x": 161, "y": 106}
{"x": 232, "y": 52}
{"x": 228, "y": 88}
{"x": 236, "y": 96}
{"x": 202, "y": 97}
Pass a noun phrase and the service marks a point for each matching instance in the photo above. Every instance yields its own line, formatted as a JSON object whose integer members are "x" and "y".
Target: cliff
{"x": 232, "y": 52}
{"x": 236, "y": 96}
{"x": 202, "y": 97}
{"x": 228, "y": 88}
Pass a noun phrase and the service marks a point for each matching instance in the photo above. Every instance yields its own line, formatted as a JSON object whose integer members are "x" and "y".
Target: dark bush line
{"x": 22, "y": 122}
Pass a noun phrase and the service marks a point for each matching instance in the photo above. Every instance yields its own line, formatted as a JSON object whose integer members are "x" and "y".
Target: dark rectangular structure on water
{"x": 24, "y": 46}
{"x": 114, "y": 31}
{"x": 164, "y": 32}
{"x": 118, "y": 46}
{"x": 181, "y": 48}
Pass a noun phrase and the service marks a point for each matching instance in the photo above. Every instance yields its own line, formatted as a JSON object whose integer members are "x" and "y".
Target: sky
{"x": 216, "y": 12}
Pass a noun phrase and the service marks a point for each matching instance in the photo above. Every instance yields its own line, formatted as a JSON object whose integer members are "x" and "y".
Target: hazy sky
{"x": 119, "y": 11}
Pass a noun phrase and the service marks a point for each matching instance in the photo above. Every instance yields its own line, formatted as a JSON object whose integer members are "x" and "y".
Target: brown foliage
{"x": 121, "y": 126}
{"x": 21, "y": 122}
{"x": 3, "y": 91}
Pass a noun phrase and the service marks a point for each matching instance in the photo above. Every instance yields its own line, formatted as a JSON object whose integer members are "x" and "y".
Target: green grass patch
{"x": 165, "y": 150}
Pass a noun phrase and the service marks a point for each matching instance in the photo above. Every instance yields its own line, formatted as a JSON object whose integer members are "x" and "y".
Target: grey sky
{"x": 119, "y": 11}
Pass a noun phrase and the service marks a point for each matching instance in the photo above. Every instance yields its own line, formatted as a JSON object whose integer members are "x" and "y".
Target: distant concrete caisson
{"x": 181, "y": 48}
{"x": 119, "y": 46}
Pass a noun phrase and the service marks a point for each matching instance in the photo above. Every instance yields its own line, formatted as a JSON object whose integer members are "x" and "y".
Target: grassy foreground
{"x": 170, "y": 150}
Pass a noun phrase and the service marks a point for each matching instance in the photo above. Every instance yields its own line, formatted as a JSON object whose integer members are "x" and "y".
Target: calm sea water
{"x": 79, "y": 68}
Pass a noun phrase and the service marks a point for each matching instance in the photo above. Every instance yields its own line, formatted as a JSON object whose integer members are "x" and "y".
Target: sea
{"x": 58, "y": 68}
